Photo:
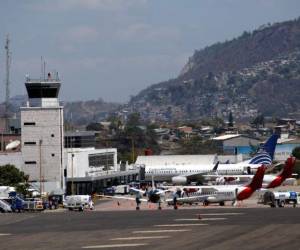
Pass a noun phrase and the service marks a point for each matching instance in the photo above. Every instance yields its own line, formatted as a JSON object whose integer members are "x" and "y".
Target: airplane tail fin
{"x": 258, "y": 178}
{"x": 215, "y": 167}
{"x": 265, "y": 154}
{"x": 288, "y": 168}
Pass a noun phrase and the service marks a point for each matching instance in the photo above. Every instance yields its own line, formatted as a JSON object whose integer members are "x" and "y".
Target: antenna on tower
{"x": 7, "y": 81}
{"x": 43, "y": 68}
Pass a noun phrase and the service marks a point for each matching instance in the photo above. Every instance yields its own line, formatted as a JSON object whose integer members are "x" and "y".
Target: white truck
{"x": 279, "y": 198}
{"x": 78, "y": 202}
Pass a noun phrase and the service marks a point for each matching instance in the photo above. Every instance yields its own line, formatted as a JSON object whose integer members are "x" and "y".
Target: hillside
{"x": 258, "y": 72}
{"x": 77, "y": 113}
{"x": 84, "y": 112}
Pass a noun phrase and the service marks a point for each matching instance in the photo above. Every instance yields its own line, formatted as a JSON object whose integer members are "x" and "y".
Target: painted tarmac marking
{"x": 204, "y": 219}
{"x": 216, "y": 214}
{"x": 4, "y": 234}
{"x": 162, "y": 231}
{"x": 115, "y": 246}
{"x": 142, "y": 238}
{"x": 181, "y": 225}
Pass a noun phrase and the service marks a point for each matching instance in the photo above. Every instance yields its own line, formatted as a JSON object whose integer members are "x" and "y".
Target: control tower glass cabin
{"x": 43, "y": 92}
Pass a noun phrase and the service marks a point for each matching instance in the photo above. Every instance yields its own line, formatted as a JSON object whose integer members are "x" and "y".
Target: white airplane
{"x": 154, "y": 195}
{"x": 220, "y": 194}
{"x": 269, "y": 181}
{"x": 182, "y": 174}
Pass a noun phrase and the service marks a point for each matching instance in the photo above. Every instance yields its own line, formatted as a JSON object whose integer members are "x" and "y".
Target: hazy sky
{"x": 112, "y": 49}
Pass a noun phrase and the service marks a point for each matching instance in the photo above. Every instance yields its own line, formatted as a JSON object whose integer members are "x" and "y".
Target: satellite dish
{"x": 12, "y": 145}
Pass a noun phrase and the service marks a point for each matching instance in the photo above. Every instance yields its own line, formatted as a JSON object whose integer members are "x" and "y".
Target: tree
{"x": 230, "y": 120}
{"x": 94, "y": 126}
{"x": 133, "y": 120}
{"x": 11, "y": 176}
{"x": 258, "y": 120}
{"x": 296, "y": 153}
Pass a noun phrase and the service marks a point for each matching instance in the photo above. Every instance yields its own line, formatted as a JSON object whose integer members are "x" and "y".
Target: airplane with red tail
{"x": 220, "y": 193}
{"x": 269, "y": 181}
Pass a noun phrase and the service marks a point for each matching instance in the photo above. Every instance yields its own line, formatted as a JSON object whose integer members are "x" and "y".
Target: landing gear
{"x": 222, "y": 203}
{"x": 205, "y": 203}
{"x": 159, "y": 205}
{"x": 280, "y": 203}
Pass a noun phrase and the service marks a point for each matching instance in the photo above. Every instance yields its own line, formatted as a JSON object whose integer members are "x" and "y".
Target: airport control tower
{"x": 43, "y": 134}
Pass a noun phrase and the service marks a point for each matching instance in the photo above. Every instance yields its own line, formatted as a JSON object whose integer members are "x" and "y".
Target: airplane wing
{"x": 195, "y": 175}
{"x": 135, "y": 190}
{"x": 121, "y": 197}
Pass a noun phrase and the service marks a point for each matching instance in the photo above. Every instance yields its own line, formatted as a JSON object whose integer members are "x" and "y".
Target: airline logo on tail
{"x": 265, "y": 154}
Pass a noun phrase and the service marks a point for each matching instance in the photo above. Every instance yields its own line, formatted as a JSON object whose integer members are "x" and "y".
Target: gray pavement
{"x": 213, "y": 228}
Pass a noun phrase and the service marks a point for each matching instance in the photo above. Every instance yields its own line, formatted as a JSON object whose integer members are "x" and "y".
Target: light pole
{"x": 72, "y": 182}
{"x": 41, "y": 175}
{"x": 132, "y": 149}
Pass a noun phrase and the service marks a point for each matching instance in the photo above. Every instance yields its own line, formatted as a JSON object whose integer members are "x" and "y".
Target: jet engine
{"x": 179, "y": 180}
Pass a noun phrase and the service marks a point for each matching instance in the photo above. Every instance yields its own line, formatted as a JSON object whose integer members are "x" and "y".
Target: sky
{"x": 112, "y": 49}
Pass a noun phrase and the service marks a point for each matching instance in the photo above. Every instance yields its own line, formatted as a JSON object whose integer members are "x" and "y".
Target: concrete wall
{"x": 13, "y": 159}
{"x": 47, "y": 128}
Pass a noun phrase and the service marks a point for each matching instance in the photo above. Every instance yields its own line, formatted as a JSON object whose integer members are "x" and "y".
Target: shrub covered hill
{"x": 256, "y": 73}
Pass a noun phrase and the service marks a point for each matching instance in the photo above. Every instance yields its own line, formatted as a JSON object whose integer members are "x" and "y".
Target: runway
{"x": 233, "y": 228}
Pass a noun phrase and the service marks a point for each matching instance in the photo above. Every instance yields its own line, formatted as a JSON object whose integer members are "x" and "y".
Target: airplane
{"x": 180, "y": 175}
{"x": 220, "y": 194}
{"x": 269, "y": 181}
{"x": 154, "y": 195}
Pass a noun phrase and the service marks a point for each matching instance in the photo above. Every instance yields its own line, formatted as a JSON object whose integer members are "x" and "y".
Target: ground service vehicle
{"x": 79, "y": 202}
{"x": 33, "y": 204}
{"x": 279, "y": 199}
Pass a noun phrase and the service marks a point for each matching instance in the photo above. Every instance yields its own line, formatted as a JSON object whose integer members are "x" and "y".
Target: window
{"x": 102, "y": 160}
{"x": 29, "y": 123}
{"x": 52, "y": 155}
{"x": 30, "y": 162}
{"x": 52, "y": 135}
{"x": 30, "y": 143}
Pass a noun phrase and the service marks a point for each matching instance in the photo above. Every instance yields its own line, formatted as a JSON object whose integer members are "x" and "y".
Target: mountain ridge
{"x": 233, "y": 76}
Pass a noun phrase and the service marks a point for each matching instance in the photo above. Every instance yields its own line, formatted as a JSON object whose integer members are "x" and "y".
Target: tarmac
{"x": 233, "y": 228}
{"x": 120, "y": 226}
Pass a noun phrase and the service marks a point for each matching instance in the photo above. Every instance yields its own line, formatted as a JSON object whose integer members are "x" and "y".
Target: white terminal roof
{"x": 226, "y": 137}
{"x": 165, "y": 160}
{"x": 284, "y": 140}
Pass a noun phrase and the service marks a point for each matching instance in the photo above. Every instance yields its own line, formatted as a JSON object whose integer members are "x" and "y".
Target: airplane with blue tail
{"x": 182, "y": 174}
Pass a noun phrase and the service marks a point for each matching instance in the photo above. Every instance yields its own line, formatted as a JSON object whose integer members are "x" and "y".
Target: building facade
{"x": 43, "y": 134}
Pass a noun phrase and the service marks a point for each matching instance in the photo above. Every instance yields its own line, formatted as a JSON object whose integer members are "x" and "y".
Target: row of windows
{"x": 190, "y": 171}
{"x": 211, "y": 193}
{"x": 174, "y": 171}
{"x": 100, "y": 160}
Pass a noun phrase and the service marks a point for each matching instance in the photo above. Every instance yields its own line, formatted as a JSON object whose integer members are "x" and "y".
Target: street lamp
{"x": 41, "y": 176}
{"x": 72, "y": 169}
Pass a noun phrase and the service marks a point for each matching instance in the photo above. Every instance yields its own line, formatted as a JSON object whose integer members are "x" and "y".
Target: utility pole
{"x": 41, "y": 174}
{"x": 132, "y": 150}
{"x": 72, "y": 166}
{"x": 7, "y": 81}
